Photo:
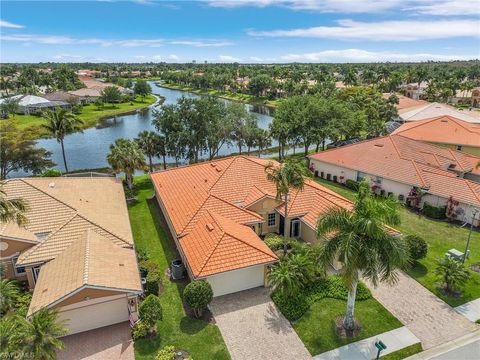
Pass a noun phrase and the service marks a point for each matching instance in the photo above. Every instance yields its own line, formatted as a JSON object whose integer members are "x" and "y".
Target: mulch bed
{"x": 344, "y": 333}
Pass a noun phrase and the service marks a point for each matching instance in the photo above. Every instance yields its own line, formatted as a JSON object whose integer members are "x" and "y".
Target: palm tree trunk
{"x": 64, "y": 157}
{"x": 285, "y": 249}
{"x": 349, "y": 321}
{"x": 150, "y": 165}
{"x": 164, "y": 163}
{"x": 128, "y": 177}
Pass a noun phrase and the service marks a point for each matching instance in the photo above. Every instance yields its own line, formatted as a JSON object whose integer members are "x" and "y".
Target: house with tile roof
{"x": 466, "y": 97}
{"x": 396, "y": 165}
{"x": 445, "y": 130}
{"x": 70, "y": 254}
{"x": 218, "y": 211}
{"x": 431, "y": 110}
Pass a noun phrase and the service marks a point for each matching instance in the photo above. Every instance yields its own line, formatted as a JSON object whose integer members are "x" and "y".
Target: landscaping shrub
{"x": 151, "y": 310}
{"x": 417, "y": 247}
{"x": 198, "y": 294}
{"x": 151, "y": 272}
{"x": 52, "y": 173}
{"x": 166, "y": 353}
{"x": 351, "y": 184}
{"x": 333, "y": 287}
{"x": 452, "y": 274}
{"x": 141, "y": 255}
{"x": 275, "y": 242}
{"x": 140, "y": 330}
{"x": 434, "y": 212}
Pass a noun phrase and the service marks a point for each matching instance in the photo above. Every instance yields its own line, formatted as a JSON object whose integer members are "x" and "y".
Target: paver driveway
{"x": 432, "y": 320}
{"x": 253, "y": 328}
{"x": 108, "y": 343}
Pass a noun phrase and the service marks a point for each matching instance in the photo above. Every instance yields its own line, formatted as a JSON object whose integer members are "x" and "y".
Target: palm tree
{"x": 12, "y": 209}
{"x": 290, "y": 175}
{"x": 40, "y": 334}
{"x": 360, "y": 240}
{"x": 452, "y": 272}
{"x": 9, "y": 293}
{"x": 152, "y": 145}
{"x": 291, "y": 274}
{"x": 61, "y": 122}
{"x": 126, "y": 156}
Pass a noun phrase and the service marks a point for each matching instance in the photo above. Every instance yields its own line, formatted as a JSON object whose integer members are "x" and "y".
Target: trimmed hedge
{"x": 332, "y": 287}
{"x": 434, "y": 212}
{"x": 275, "y": 242}
{"x": 351, "y": 184}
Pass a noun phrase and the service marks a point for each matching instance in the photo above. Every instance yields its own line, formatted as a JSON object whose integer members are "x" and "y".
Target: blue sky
{"x": 239, "y": 30}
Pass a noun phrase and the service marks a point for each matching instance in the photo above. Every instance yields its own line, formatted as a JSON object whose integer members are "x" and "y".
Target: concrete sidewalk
{"x": 470, "y": 310}
{"x": 365, "y": 349}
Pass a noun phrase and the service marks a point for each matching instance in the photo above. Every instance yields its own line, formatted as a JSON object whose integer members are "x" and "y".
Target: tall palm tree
{"x": 126, "y": 156}
{"x": 12, "y": 209}
{"x": 61, "y": 122}
{"x": 152, "y": 145}
{"x": 289, "y": 176}
{"x": 40, "y": 334}
{"x": 360, "y": 240}
{"x": 9, "y": 293}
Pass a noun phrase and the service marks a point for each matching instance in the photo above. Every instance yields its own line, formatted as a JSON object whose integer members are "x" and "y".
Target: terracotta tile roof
{"x": 432, "y": 110}
{"x": 91, "y": 261}
{"x": 12, "y": 230}
{"x": 86, "y": 92}
{"x": 410, "y": 162}
{"x": 217, "y": 244}
{"x": 404, "y": 102}
{"x": 443, "y": 130}
{"x": 61, "y": 209}
{"x": 219, "y": 192}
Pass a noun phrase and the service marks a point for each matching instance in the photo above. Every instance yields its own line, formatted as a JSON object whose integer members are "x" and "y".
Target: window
{"x": 378, "y": 180}
{"x": 42, "y": 235}
{"x": 19, "y": 270}
{"x": 459, "y": 147}
{"x": 35, "y": 272}
{"x": 272, "y": 220}
{"x": 360, "y": 175}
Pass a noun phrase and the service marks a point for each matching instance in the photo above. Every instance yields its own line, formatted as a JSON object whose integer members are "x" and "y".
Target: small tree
{"x": 198, "y": 294}
{"x": 417, "y": 247}
{"x": 111, "y": 95}
{"x": 142, "y": 88}
{"x": 151, "y": 310}
{"x": 10, "y": 107}
{"x": 452, "y": 273}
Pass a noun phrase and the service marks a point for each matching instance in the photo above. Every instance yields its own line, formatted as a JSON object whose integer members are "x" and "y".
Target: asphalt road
{"x": 467, "y": 352}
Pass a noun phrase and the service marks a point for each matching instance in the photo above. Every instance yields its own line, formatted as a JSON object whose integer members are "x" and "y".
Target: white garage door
{"x": 94, "y": 313}
{"x": 237, "y": 280}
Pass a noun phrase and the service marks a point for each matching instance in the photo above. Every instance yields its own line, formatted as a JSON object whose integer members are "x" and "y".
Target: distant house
{"x": 431, "y": 110}
{"x": 61, "y": 96}
{"x": 466, "y": 97}
{"x": 217, "y": 212}
{"x": 74, "y": 258}
{"x": 415, "y": 90}
{"x": 445, "y": 130}
{"x": 398, "y": 166}
{"x": 86, "y": 95}
{"x": 404, "y": 102}
{"x": 31, "y": 104}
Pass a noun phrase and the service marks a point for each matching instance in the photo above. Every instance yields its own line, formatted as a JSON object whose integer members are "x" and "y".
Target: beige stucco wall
{"x": 264, "y": 207}
{"x": 13, "y": 247}
{"x": 308, "y": 234}
{"x": 466, "y": 149}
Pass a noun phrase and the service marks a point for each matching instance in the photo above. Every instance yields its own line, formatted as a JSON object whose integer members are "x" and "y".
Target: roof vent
{"x": 213, "y": 164}
{"x": 121, "y": 264}
{"x": 210, "y": 227}
{"x": 218, "y": 169}
{"x": 445, "y": 121}
{"x": 378, "y": 145}
{"x": 52, "y": 184}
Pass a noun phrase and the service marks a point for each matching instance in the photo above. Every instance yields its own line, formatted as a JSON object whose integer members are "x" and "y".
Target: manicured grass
{"x": 245, "y": 98}
{"x": 90, "y": 115}
{"x": 404, "y": 353}
{"x": 201, "y": 339}
{"x": 316, "y": 328}
{"x": 440, "y": 236}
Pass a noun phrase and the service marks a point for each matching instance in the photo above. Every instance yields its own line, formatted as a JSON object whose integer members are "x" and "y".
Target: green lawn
{"x": 90, "y": 114}
{"x": 440, "y": 236}
{"x": 404, "y": 353}
{"x": 201, "y": 339}
{"x": 316, "y": 328}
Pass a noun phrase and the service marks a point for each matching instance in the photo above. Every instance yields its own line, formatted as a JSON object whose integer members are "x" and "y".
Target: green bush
{"x": 151, "y": 272}
{"x": 417, "y": 247}
{"x": 151, "y": 310}
{"x": 275, "y": 242}
{"x": 333, "y": 287}
{"x": 434, "y": 212}
{"x": 198, "y": 294}
{"x": 166, "y": 353}
{"x": 51, "y": 173}
{"x": 140, "y": 330}
{"x": 351, "y": 184}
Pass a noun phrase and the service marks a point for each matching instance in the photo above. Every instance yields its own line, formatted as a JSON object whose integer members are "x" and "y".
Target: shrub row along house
{"x": 217, "y": 212}
{"x": 417, "y": 173}
{"x": 76, "y": 251}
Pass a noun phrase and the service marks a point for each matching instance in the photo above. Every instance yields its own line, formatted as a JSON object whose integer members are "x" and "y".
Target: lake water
{"x": 88, "y": 150}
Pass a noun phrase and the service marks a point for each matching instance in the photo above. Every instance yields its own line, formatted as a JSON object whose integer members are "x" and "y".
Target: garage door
{"x": 97, "y": 314}
{"x": 237, "y": 280}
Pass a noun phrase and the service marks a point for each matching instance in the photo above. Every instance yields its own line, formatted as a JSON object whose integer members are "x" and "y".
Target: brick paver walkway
{"x": 433, "y": 321}
{"x": 108, "y": 343}
{"x": 253, "y": 328}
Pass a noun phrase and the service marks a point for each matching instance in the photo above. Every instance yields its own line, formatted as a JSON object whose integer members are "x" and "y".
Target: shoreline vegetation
{"x": 227, "y": 95}
{"x": 90, "y": 115}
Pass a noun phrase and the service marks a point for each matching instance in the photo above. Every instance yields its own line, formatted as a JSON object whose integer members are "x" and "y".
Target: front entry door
{"x": 295, "y": 228}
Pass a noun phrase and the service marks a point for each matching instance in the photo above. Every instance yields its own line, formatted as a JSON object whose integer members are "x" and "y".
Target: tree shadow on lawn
{"x": 191, "y": 326}
{"x": 417, "y": 270}
{"x": 148, "y": 345}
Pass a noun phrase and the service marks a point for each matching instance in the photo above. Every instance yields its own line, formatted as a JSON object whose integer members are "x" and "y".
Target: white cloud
{"x": 199, "y": 43}
{"x": 383, "y": 31}
{"x": 338, "y": 6}
{"x": 172, "y": 57}
{"x": 228, "y": 58}
{"x": 447, "y": 8}
{"x": 140, "y": 43}
{"x": 359, "y": 55}
{"x": 255, "y": 58}
{"x": 67, "y": 56}
{"x": 7, "y": 24}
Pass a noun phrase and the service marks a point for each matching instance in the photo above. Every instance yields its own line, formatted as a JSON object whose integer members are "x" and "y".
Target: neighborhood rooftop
{"x": 431, "y": 110}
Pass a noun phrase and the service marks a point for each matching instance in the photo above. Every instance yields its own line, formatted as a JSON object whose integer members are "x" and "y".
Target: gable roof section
{"x": 217, "y": 244}
{"x": 442, "y": 129}
{"x": 91, "y": 261}
{"x": 13, "y": 231}
{"x": 434, "y": 110}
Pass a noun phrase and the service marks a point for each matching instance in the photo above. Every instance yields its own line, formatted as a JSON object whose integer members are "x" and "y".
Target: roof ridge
{"x": 106, "y": 230}
{"x": 213, "y": 250}
{"x": 224, "y": 172}
{"x": 243, "y": 209}
{"x": 418, "y": 123}
{"x": 349, "y": 145}
{"x": 87, "y": 258}
{"x": 246, "y": 243}
{"x": 419, "y": 174}
{"x": 49, "y": 195}
{"x": 395, "y": 146}
{"x": 195, "y": 214}
{"x": 468, "y": 182}
{"x": 458, "y": 161}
